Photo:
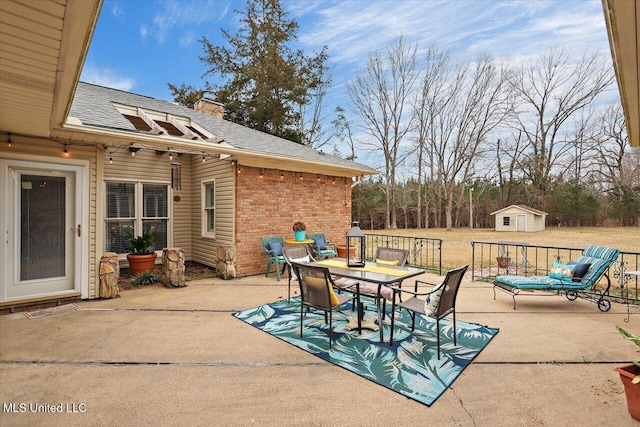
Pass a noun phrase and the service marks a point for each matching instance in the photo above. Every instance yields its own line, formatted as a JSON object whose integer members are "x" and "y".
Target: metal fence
{"x": 424, "y": 252}
{"x": 491, "y": 259}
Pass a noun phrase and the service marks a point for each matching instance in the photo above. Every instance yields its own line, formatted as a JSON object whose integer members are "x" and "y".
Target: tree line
{"x": 457, "y": 138}
{"x": 476, "y": 136}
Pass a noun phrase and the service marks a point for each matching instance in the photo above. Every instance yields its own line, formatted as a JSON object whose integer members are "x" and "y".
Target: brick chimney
{"x": 209, "y": 106}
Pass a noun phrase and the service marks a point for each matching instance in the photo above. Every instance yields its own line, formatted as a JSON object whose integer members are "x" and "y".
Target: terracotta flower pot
{"x": 627, "y": 373}
{"x": 503, "y": 261}
{"x": 141, "y": 263}
{"x": 342, "y": 251}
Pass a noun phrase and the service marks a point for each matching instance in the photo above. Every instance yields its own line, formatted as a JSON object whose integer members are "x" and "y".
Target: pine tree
{"x": 263, "y": 82}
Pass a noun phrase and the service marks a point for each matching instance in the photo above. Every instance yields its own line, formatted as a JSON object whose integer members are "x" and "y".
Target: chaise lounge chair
{"x": 567, "y": 278}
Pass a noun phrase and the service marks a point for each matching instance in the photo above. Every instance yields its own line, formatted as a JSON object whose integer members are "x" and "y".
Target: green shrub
{"x": 145, "y": 279}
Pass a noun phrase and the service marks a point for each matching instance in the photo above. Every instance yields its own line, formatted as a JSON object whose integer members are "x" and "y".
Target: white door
{"x": 521, "y": 223}
{"x": 41, "y": 215}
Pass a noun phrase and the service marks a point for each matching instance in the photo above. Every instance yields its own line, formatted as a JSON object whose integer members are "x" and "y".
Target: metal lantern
{"x": 357, "y": 239}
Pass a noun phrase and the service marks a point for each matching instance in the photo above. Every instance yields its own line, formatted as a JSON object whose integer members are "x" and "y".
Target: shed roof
{"x": 522, "y": 207}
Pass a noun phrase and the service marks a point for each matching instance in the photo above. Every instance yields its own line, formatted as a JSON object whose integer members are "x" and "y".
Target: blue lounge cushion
{"x": 320, "y": 244}
{"x": 276, "y": 246}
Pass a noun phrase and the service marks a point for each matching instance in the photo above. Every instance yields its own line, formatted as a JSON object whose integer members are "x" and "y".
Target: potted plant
{"x": 630, "y": 377}
{"x": 299, "y": 231}
{"x": 142, "y": 258}
{"x": 503, "y": 261}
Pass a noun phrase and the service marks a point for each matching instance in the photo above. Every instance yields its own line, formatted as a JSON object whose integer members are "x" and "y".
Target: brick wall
{"x": 269, "y": 205}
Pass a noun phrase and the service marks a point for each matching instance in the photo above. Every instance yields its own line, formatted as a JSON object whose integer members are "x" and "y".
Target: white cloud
{"x": 106, "y": 77}
{"x": 143, "y": 32}
{"x": 116, "y": 10}
{"x": 186, "y": 40}
{"x": 354, "y": 29}
{"x": 176, "y": 17}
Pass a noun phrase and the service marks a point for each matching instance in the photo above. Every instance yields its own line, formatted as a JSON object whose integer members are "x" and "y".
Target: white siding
{"x": 204, "y": 248}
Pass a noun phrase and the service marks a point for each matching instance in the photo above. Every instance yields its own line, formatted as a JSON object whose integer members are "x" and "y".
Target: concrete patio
{"x": 161, "y": 356}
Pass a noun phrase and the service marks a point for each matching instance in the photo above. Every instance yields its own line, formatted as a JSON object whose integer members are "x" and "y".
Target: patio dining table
{"x": 382, "y": 275}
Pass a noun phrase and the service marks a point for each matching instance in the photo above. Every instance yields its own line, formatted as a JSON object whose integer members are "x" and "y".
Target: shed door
{"x": 521, "y": 223}
{"x": 42, "y": 231}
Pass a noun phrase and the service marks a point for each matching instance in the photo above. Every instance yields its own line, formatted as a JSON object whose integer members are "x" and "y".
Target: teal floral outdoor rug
{"x": 409, "y": 367}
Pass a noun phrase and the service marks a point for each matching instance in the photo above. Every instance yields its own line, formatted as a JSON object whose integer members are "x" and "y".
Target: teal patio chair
{"x": 273, "y": 246}
{"x": 321, "y": 248}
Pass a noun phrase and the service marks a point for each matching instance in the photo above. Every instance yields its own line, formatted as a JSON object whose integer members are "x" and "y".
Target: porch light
{"x": 356, "y": 239}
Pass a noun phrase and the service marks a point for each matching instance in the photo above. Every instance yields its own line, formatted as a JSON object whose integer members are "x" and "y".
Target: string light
{"x": 203, "y": 158}
{"x": 281, "y": 175}
{"x": 261, "y": 173}
{"x": 301, "y": 176}
{"x": 110, "y": 159}
{"x": 318, "y": 176}
{"x": 65, "y": 152}
{"x": 170, "y": 155}
{"x": 9, "y": 141}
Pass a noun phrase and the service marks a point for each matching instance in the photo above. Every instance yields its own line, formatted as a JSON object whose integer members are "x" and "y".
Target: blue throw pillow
{"x": 276, "y": 246}
{"x": 320, "y": 244}
{"x": 580, "y": 270}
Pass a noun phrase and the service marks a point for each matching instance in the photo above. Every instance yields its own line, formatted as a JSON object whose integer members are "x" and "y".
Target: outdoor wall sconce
{"x": 356, "y": 246}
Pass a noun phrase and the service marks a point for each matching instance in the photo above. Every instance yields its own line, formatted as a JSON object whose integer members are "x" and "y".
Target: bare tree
{"x": 618, "y": 167}
{"x": 425, "y": 106}
{"x": 344, "y": 134}
{"x": 380, "y": 97}
{"x": 464, "y": 105}
{"x": 550, "y": 91}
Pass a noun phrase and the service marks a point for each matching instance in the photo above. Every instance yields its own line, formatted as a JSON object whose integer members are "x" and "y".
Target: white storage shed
{"x": 520, "y": 218}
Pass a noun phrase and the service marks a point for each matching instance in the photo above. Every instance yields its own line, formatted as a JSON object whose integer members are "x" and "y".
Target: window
{"x": 209, "y": 208}
{"x": 132, "y": 207}
{"x": 506, "y": 220}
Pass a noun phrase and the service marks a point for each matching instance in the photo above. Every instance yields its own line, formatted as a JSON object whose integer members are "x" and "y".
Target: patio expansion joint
{"x": 156, "y": 363}
{"x": 171, "y": 310}
{"x": 552, "y": 362}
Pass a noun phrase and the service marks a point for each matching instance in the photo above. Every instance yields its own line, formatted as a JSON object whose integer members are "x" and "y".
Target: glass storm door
{"x": 42, "y": 230}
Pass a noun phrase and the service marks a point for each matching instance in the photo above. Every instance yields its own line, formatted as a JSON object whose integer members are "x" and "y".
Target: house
{"x": 519, "y": 218}
{"x": 82, "y": 165}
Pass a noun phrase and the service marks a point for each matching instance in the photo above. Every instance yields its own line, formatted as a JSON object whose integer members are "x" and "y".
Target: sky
{"x": 141, "y": 45}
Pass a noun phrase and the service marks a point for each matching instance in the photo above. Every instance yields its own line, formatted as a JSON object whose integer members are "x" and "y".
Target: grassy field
{"x": 456, "y": 244}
